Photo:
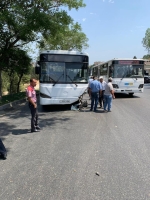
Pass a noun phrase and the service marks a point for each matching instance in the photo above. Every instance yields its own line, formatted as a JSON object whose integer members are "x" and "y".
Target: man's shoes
{"x": 109, "y": 110}
{"x": 38, "y": 128}
{"x": 105, "y": 111}
{"x": 91, "y": 109}
{"x": 3, "y": 156}
{"x": 34, "y": 130}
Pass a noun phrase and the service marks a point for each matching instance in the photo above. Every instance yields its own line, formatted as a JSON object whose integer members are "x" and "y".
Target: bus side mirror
{"x": 37, "y": 68}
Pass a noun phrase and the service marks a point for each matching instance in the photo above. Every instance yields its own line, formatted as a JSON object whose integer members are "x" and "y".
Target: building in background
{"x": 147, "y": 67}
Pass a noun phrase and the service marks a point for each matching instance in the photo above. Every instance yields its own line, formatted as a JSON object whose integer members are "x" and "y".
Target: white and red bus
{"x": 127, "y": 74}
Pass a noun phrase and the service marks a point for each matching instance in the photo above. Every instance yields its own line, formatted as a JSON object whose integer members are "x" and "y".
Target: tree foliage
{"x": 24, "y": 21}
{"x": 146, "y": 39}
{"x": 146, "y": 57}
{"x": 70, "y": 37}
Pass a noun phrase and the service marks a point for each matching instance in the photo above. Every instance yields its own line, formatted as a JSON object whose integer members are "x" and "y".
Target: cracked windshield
{"x": 63, "y": 72}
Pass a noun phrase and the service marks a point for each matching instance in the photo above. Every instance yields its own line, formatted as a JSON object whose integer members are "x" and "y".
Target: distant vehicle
{"x": 63, "y": 76}
{"x": 127, "y": 74}
{"x": 146, "y": 79}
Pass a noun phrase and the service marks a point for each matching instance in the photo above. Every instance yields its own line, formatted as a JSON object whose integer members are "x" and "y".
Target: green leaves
{"x": 69, "y": 37}
{"x": 43, "y": 21}
{"x": 146, "y": 39}
{"x": 22, "y": 20}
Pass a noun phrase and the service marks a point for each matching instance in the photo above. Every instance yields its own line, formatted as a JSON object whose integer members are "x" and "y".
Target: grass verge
{"x": 12, "y": 97}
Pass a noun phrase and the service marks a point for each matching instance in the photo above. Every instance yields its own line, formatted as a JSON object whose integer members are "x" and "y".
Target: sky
{"x": 115, "y": 28}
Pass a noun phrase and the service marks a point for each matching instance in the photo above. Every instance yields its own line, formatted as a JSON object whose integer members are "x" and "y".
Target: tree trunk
{"x": 0, "y": 83}
{"x": 11, "y": 82}
{"x": 10, "y": 86}
{"x": 18, "y": 84}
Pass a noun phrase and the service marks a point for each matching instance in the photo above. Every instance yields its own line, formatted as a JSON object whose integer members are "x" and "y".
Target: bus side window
{"x": 103, "y": 70}
{"x": 111, "y": 70}
{"x": 95, "y": 71}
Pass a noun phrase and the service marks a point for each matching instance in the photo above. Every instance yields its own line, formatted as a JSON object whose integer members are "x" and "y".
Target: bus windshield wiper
{"x": 123, "y": 76}
{"x": 71, "y": 80}
{"x": 134, "y": 77}
{"x": 51, "y": 78}
{"x": 58, "y": 79}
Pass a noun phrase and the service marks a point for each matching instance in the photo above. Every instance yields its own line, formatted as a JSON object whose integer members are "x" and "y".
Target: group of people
{"x": 100, "y": 92}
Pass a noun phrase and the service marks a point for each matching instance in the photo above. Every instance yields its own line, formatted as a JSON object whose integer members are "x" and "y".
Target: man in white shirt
{"x": 101, "y": 98}
{"x": 108, "y": 95}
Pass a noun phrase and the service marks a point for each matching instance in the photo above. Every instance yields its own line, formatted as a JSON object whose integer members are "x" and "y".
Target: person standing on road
{"x": 31, "y": 96}
{"x": 101, "y": 98}
{"x": 108, "y": 95}
{"x": 89, "y": 81}
{"x": 95, "y": 91}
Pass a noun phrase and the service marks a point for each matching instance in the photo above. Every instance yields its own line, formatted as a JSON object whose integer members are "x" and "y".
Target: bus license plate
{"x": 128, "y": 83}
{"x": 64, "y": 101}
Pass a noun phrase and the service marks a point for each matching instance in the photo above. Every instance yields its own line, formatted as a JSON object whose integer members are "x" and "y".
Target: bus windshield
{"x": 127, "y": 71}
{"x": 59, "y": 72}
{"x": 77, "y": 72}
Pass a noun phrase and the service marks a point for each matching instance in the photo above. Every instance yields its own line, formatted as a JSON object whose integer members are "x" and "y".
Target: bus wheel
{"x": 131, "y": 94}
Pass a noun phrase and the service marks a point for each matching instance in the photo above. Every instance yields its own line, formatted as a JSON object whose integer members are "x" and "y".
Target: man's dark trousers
{"x": 94, "y": 100}
{"x": 101, "y": 99}
{"x": 34, "y": 116}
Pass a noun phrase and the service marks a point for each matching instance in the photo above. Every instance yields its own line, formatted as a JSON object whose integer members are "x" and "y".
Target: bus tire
{"x": 131, "y": 94}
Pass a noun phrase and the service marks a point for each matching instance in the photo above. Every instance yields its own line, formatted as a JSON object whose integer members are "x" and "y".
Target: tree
{"x": 19, "y": 64}
{"x": 70, "y": 37}
{"x": 23, "y": 67}
{"x": 146, "y": 57}
{"x": 24, "y": 21}
{"x": 134, "y": 57}
{"x": 146, "y": 39}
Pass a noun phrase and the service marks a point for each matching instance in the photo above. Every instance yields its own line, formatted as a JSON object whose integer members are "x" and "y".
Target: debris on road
{"x": 74, "y": 107}
{"x": 97, "y": 173}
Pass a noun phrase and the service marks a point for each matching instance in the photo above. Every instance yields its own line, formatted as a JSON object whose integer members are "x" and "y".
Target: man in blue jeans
{"x": 108, "y": 95}
{"x": 95, "y": 90}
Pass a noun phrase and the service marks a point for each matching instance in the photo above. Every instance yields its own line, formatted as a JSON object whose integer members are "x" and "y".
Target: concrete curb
{"x": 12, "y": 104}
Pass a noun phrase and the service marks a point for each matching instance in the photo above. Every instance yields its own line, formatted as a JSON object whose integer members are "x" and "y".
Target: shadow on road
{"x": 20, "y": 131}
{"x": 53, "y": 108}
{"x": 5, "y": 128}
{"x": 123, "y": 96}
{"x": 20, "y": 115}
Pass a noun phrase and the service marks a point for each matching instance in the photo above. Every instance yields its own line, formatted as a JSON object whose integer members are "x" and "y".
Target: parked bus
{"x": 63, "y": 76}
{"x": 127, "y": 74}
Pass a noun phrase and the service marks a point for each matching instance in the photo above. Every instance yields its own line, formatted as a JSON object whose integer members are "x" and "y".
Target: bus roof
{"x": 62, "y": 52}
{"x": 124, "y": 59}
{"x": 141, "y": 59}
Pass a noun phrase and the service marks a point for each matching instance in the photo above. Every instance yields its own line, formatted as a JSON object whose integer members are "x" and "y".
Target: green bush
{"x": 13, "y": 97}
{"x": 10, "y": 98}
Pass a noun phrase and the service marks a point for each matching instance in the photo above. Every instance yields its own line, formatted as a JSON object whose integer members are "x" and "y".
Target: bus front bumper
{"x": 56, "y": 101}
{"x": 131, "y": 90}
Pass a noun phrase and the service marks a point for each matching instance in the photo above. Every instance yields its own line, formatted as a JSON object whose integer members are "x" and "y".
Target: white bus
{"x": 127, "y": 74}
{"x": 63, "y": 76}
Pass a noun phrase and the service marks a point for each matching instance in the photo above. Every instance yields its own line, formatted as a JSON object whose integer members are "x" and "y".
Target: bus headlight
{"x": 141, "y": 85}
{"x": 115, "y": 86}
{"x": 44, "y": 95}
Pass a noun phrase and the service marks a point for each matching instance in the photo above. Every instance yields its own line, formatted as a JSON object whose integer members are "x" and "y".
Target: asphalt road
{"x": 61, "y": 161}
